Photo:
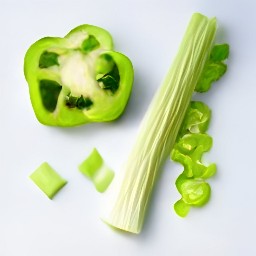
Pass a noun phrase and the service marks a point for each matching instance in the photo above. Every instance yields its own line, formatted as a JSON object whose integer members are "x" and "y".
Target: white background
{"x": 149, "y": 32}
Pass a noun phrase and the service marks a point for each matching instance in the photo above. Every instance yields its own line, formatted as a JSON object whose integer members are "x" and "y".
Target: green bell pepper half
{"x": 77, "y": 79}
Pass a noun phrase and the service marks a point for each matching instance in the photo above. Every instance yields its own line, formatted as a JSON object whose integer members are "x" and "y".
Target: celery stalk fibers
{"x": 129, "y": 194}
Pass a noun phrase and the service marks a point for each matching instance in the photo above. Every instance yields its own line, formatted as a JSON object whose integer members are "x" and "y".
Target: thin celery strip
{"x": 129, "y": 194}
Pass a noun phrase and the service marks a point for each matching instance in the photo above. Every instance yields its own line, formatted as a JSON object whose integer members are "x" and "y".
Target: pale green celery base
{"x": 129, "y": 194}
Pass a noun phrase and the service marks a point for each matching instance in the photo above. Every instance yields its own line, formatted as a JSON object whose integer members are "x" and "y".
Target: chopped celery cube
{"x": 91, "y": 164}
{"x": 93, "y": 167}
{"x": 48, "y": 180}
{"x": 103, "y": 178}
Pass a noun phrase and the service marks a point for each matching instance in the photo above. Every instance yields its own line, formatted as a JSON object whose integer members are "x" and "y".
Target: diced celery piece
{"x": 91, "y": 164}
{"x": 93, "y": 167}
{"x": 48, "y": 180}
{"x": 103, "y": 177}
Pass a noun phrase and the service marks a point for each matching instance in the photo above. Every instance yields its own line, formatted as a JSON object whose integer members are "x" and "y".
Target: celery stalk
{"x": 129, "y": 194}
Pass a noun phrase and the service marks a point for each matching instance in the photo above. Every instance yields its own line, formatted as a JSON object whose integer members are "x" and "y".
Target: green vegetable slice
{"x": 96, "y": 81}
{"x": 48, "y": 180}
{"x": 194, "y": 145}
{"x": 214, "y": 69}
{"x": 91, "y": 164}
{"x": 192, "y": 141}
{"x": 195, "y": 192}
{"x": 188, "y": 151}
{"x": 180, "y": 180}
{"x": 220, "y": 52}
{"x": 197, "y": 118}
{"x": 93, "y": 167}
{"x": 212, "y": 73}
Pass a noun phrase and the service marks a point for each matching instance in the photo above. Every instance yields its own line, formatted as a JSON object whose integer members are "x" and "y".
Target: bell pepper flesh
{"x": 66, "y": 85}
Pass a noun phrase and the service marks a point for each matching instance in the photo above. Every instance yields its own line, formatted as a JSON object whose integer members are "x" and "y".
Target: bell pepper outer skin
{"x": 103, "y": 36}
{"x": 32, "y": 75}
{"x": 106, "y": 109}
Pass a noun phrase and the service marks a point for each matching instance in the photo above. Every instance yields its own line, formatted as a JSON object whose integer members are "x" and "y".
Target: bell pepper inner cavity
{"x": 89, "y": 44}
{"x": 50, "y": 91}
{"x": 48, "y": 59}
{"x": 108, "y": 76}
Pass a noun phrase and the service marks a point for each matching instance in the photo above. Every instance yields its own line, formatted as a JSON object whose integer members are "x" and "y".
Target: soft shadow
{"x": 221, "y": 35}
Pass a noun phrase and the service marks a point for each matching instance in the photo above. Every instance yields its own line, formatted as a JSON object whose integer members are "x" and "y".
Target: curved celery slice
{"x": 48, "y": 180}
{"x": 188, "y": 151}
{"x": 197, "y": 118}
{"x": 214, "y": 69}
{"x": 220, "y": 52}
{"x": 93, "y": 167}
{"x": 195, "y": 192}
{"x": 192, "y": 143}
{"x": 129, "y": 194}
